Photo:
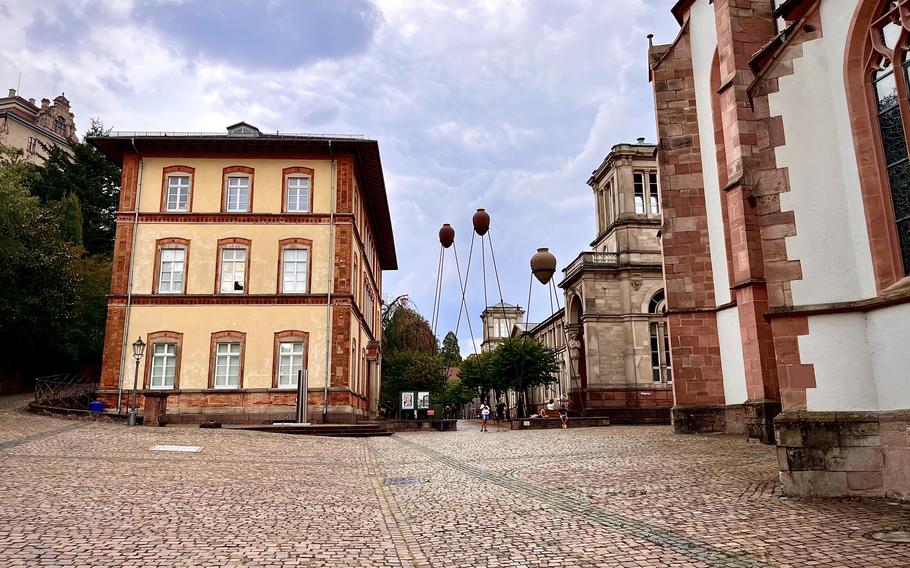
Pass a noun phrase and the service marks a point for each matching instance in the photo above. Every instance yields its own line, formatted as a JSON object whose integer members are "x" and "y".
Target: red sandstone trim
{"x": 341, "y": 345}
{"x": 344, "y": 244}
{"x": 884, "y": 244}
{"x": 120, "y": 274}
{"x": 344, "y": 173}
{"x": 231, "y": 299}
{"x": 162, "y": 337}
{"x": 238, "y": 218}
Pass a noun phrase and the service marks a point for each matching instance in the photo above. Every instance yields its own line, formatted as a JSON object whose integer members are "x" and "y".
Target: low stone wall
{"x": 840, "y": 454}
{"x": 632, "y": 415}
{"x": 544, "y": 423}
{"x": 415, "y": 425}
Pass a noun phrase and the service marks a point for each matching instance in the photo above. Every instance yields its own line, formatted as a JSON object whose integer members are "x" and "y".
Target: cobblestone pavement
{"x": 93, "y": 494}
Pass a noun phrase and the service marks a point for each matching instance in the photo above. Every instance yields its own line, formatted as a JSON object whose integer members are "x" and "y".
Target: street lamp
{"x": 138, "y": 350}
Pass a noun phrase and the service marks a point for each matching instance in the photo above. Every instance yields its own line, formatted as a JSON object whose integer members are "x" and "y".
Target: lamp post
{"x": 138, "y": 350}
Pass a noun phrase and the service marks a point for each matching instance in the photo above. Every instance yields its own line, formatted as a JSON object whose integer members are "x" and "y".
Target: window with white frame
{"x": 233, "y": 270}
{"x": 227, "y": 365}
{"x": 178, "y": 193}
{"x": 660, "y": 341}
{"x": 290, "y": 363}
{"x": 32, "y": 145}
{"x": 653, "y": 193}
{"x": 298, "y": 194}
{"x": 237, "y": 199}
{"x": 164, "y": 366}
{"x": 639, "y": 187}
{"x": 295, "y": 272}
{"x": 501, "y": 328}
{"x": 171, "y": 270}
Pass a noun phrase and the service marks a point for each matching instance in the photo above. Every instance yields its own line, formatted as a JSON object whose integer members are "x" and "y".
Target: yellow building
{"x": 242, "y": 259}
{"x": 33, "y": 129}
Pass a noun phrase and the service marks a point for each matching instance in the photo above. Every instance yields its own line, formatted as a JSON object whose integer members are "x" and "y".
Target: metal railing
{"x": 592, "y": 260}
{"x": 70, "y": 390}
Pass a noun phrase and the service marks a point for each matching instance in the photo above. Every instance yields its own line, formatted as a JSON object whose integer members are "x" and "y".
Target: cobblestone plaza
{"x": 94, "y": 494}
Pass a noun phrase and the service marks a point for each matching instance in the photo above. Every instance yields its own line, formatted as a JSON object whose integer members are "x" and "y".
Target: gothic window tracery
{"x": 890, "y": 80}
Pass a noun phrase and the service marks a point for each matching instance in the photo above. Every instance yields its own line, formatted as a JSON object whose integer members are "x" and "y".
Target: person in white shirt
{"x": 484, "y": 417}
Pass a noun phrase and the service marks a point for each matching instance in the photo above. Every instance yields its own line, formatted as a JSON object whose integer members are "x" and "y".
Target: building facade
{"x": 245, "y": 260}
{"x": 614, "y": 315}
{"x": 550, "y": 332}
{"x": 497, "y": 321}
{"x": 31, "y": 128}
{"x": 784, "y": 179}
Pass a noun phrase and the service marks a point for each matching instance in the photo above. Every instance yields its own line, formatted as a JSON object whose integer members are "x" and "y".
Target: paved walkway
{"x": 93, "y": 494}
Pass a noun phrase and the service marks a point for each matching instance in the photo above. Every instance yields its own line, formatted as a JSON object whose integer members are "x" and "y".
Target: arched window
{"x": 661, "y": 370}
{"x": 658, "y": 304}
{"x": 888, "y": 77}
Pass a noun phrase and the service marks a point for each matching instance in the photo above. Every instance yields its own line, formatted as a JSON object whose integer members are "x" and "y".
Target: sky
{"x": 507, "y": 105}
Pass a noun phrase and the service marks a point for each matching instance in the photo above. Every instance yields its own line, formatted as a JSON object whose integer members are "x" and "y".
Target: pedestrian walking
{"x": 484, "y": 417}
{"x": 500, "y": 413}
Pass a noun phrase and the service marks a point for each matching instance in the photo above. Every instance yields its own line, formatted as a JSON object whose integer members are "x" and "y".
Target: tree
{"x": 457, "y": 392}
{"x": 451, "y": 352}
{"x": 520, "y": 363}
{"x": 40, "y": 284}
{"x": 410, "y": 361}
{"x": 476, "y": 373}
{"x": 91, "y": 177}
{"x": 408, "y": 331}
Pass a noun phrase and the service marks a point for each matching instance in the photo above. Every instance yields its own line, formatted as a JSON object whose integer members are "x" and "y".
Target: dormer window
{"x": 243, "y": 129}
{"x": 60, "y": 125}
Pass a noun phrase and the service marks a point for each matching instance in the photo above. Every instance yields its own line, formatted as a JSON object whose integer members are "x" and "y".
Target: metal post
{"x": 302, "y": 389}
{"x": 131, "y": 421}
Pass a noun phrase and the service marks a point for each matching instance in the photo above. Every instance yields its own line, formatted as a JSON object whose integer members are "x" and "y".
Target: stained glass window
{"x": 890, "y": 83}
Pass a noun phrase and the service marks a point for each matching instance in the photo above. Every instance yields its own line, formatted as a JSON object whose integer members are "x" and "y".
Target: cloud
{"x": 506, "y": 105}
{"x": 274, "y": 35}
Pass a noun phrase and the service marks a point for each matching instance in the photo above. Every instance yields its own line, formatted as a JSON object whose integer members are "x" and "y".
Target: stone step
{"x": 361, "y": 430}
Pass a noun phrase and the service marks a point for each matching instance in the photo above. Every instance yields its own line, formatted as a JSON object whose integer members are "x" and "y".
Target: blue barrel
{"x": 96, "y": 406}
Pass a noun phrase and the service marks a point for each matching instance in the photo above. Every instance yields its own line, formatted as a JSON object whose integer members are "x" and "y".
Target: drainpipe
{"x": 129, "y": 285}
{"x": 331, "y": 281}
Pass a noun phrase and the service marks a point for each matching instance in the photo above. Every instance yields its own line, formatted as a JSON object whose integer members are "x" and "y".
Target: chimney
{"x": 45, "y": 103}
{"x": 31, "y": 102}
{"x": 12, "y": 93}
{"x": 641, "y": 140}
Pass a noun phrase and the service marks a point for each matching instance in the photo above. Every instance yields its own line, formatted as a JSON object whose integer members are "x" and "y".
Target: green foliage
{"x": 410, "y": 361}
{"x": 521, "y": 362}
{"x": 476, "y": 372}
{"x": 451, "y": 352}
{"x": 408, "y": 331}
{"x": 457, "y": 392}
{"x": 53, "y": 299}
{"x": 39, "y": 292}
{"x": 92, "y": 178}
{"x": 70, "y": 211}
{"x": 410, "y": 371}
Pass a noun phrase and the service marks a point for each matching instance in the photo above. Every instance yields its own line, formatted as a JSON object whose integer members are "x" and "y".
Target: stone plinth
{"x": 840, "y": 454}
